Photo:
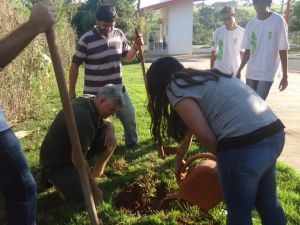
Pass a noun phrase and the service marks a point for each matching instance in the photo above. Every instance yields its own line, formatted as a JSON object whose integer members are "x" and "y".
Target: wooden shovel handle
{"x": 142, "y": 60}
{"x": 71, "y": 125}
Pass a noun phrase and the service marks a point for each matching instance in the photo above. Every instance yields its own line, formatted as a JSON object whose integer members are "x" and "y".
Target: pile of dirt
{"x": 133, "y": 198}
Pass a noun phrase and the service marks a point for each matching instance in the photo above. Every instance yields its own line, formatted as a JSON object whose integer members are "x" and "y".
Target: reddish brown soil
{"x": 131, "y": 198}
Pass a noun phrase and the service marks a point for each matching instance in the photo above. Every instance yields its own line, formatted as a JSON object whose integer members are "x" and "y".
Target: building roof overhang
{"x": 165, "y": 4}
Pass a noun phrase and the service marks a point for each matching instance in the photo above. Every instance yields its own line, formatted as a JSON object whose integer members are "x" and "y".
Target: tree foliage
{"x": 294, "y": 24}
{"x": 244, "y": 14}
{"x": 205, "y": 22}
{"x": 128, "y": 17}
{"x": 27, "y": 82}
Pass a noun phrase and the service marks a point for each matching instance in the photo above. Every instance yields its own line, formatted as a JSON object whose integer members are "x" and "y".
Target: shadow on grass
{"x": 52, "y": 210}
{"x": 131, "y": 154}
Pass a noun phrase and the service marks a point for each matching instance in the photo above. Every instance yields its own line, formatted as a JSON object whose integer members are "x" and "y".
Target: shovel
{"x": 142, "y": 60}
{"x": 71, "y": 125}
{"x": 201, "y": 185}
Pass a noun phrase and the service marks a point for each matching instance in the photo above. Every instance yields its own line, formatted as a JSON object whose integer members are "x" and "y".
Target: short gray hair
{"x": 112, "y": 92}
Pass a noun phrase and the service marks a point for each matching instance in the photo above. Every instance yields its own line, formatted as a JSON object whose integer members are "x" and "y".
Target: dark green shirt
{"x": 56, "y": 147}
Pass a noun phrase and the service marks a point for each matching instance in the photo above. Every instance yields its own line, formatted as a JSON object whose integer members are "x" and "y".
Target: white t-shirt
{"x": 3, "y": 123}
{"x": 227, "y": 44}
{"x": 264, "y": 39}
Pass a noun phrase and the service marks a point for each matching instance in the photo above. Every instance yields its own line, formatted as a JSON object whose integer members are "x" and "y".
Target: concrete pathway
{"x": 285, "y": 104}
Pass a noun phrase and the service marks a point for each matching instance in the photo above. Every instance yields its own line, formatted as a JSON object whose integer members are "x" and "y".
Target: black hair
{"x": 106, "y": 13}
{"x": 268, "y": 2}
{"x": 165, "y": 122}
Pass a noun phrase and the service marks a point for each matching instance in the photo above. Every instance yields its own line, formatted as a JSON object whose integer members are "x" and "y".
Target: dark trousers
{"x": 66, "y": 178}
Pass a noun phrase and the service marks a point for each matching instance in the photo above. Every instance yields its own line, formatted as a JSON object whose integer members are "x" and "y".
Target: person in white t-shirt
{"x": 266, "y": 43}
{"x": 226, "y": 50}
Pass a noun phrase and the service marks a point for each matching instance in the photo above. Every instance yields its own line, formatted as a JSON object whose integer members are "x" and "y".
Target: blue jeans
{"x": 127, "y": 117}
{"x": 16, "y": 182}
{"x": 261, "y": 87}
{"x": 248, "y": 180}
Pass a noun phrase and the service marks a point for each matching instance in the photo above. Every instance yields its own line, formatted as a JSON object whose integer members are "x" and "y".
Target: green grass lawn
{"x": 142, "y": 166}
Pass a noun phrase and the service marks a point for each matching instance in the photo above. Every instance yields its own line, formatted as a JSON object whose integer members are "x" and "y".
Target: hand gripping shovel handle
{"x": 71, "y": 125}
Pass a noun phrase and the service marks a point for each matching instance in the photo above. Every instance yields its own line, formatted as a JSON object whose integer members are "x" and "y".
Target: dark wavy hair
{"x": 165, "y": 122}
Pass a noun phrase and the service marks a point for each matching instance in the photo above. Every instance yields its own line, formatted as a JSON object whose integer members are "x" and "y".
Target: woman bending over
{"x": 231, "y": 121}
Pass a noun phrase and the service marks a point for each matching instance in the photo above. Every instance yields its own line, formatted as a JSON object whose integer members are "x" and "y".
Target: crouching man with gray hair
{"x": 97, "y": 138}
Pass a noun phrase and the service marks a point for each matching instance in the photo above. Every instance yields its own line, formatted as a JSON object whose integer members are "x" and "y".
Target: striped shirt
{"x": 102, "y": 57}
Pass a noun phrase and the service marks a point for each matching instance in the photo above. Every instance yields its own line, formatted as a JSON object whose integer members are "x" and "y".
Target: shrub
{"x": 28, "y": 80}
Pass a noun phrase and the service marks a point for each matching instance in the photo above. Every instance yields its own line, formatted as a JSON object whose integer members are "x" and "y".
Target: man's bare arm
{"x": 42, "y": 18}
{"x": 212, "y": 59}
{"x": 284, "y": 62}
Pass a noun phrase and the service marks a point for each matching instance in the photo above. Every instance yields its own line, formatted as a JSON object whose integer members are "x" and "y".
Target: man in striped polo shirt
{"x": 102, "y": 49}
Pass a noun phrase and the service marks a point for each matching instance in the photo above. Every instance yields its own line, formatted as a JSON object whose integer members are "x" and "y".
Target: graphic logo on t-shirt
{"x": 236, "y": 41}
{"x": 220, "y": 50}
{"x": 253, "y": 43}
{"x": 270, "y": 34}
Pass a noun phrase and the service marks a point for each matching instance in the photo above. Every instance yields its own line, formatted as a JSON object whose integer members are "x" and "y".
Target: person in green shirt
{"x": 97, "y": 139}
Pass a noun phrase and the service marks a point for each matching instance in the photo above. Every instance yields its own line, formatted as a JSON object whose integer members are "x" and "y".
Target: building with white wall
{"x": 176, "y": 27}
